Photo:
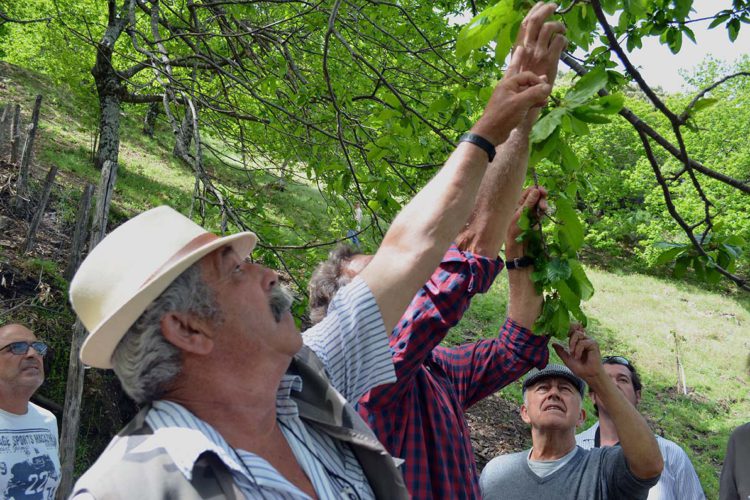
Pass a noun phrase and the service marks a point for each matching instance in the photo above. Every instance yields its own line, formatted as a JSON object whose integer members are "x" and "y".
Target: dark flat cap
{"x": 552, "y": 370}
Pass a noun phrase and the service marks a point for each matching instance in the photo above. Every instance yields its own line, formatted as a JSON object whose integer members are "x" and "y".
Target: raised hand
{"x": 535, "y": 199}
{"x": 511, "y": 101}
{"x": 539, "y": 43}
{"x": 582, "y": 355}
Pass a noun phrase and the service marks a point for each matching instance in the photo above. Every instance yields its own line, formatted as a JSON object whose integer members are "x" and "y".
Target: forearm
{"x": 422, "y": 232}
{"x": 636, "y": 438}
{"x": 485, "y": 230}
{"x": 524, "y": 304}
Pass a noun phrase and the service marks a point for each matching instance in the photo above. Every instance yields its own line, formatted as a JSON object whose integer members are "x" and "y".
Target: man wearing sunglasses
{"x": 678, "y": 480}
{"x": 29, "y": 462}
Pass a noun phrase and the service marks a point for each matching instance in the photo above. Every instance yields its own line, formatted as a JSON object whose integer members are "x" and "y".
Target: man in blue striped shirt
{"x": 236, "y": 403}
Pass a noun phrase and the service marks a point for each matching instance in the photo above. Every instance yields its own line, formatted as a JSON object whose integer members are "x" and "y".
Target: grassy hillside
{"x": 635, "y": 316}
{"x": 632, "y": 315}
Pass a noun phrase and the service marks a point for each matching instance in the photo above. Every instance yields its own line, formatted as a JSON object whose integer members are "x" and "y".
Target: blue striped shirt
{"x": 353, "y": 346}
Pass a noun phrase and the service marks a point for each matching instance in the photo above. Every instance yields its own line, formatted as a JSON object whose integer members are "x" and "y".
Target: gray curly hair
{"x": 327, "y": 278}
{"x": 145, "y": 361}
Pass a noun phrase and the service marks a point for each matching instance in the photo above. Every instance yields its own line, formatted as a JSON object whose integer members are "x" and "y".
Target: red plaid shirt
{"x": 420, "y": 418}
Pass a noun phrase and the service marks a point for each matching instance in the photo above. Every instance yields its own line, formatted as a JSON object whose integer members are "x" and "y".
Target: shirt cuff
{"x": 483, "y": 270}
{"x": 532, "y": 348}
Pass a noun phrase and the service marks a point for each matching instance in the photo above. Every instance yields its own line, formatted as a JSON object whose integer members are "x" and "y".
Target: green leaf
{"x": 583, "y": 283}
{"x": 442, "y": 105}
{"x": 733, "y": 251}
{"x": 719, "y": 20}
{"x": 579, "y": 127}
{"x": 703, "y": 104}
{"x": 586, "y": 114}
{"x": 671, "y": 251}
{"x": 543, "y": 149}
{"x": 608, "y": 104}
{"x": 733, "y": 28}
{"x": 699, "y": 266}
{"x": 569, "y": 159}
{"x": 557, "y": 270}
{"x": 560, "y": 323}
{"x": 485, "y": 27}
{"x": 588, "y": 85}
{"x": 680, "y": 267}
{"x": 547, "y": 124}
{"x": 570, "y": 224}
{"x": 669, "y": 255}
{"x": 572, "y": 301}
{"x": 674, "y": 40}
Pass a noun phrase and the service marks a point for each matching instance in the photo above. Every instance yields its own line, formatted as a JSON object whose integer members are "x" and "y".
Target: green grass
{"x": 634, "y": 316}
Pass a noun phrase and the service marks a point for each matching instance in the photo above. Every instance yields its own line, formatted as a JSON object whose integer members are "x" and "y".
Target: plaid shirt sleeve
{"x": 436, "y": 308}
{"x": 482, "y": 368}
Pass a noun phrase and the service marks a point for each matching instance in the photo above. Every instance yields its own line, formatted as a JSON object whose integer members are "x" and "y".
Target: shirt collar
{"x": 185, "y": 437}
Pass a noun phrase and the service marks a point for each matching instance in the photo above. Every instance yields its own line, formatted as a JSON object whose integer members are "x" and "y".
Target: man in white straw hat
{"x": 236, "y": 403}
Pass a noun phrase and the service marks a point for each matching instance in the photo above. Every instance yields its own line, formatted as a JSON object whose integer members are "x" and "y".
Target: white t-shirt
{"x": 29, "y": 456}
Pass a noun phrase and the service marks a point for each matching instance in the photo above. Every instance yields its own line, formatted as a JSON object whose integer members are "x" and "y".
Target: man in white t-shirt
{"x": 29, "y": 461}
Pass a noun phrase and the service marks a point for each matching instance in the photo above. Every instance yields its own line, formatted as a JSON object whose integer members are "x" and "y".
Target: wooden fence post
{"x": 4, "y": 125}
{"x": 28, "y": 146}
{"x": 48, "y": 183}
{"x": 15, "y": 133}
{"x": 103, "y": 199}
{"x": 80, "y": 232}
{"x": 74, "y": 387}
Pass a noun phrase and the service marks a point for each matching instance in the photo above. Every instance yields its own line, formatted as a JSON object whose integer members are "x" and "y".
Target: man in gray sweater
{"x": 555, "y": 467}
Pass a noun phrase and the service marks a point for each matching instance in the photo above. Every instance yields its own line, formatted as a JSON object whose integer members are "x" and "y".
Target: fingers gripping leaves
{"x": 558, "y": 274}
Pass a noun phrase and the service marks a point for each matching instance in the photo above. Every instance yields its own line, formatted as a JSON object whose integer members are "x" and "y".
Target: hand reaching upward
{"x": 511, "y": 101}
{"x": 582, "y": 355}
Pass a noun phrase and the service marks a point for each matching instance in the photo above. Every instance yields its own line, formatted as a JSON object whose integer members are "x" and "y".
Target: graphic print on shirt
{"x": 27, "y": 468}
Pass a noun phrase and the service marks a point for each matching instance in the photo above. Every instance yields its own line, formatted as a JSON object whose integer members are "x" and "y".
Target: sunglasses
{"x": 616, "y": 360}
{"x": 22, "y": 347}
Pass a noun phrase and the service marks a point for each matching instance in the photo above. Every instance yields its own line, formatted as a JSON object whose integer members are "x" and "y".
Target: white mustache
{"x": 281, "y": 301}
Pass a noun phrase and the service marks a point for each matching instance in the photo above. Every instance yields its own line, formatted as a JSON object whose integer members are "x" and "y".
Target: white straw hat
{"x": 131, "y": 267}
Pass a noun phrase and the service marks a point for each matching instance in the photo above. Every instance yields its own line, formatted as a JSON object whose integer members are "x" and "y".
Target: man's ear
{"x": 525, "y": 414}
{"x": 581, "y": 418}
{"x": 187, "y": 332}
{"x": 637, "y": 397}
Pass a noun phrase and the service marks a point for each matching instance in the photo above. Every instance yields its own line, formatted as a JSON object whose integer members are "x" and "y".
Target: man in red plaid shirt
{"x": 420, "y": 418}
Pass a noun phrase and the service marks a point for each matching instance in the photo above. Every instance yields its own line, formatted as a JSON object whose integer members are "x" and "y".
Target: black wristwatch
{"x": 519, "y": 263}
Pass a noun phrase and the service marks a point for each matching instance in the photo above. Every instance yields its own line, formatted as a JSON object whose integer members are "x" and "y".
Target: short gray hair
{"x": 326, "y": 280}
{"x": 144, "y": 360}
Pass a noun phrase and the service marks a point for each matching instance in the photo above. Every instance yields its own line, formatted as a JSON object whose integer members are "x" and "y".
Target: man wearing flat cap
{"x": 555, "y": 468}
{"x": 236, "y": 403}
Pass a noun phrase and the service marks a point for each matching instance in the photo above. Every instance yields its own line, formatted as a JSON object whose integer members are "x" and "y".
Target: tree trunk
{"x": 28, "y": 147}
{"x": 184, "y": 136}
{"x": 109, "y": 85}
{"x": 149, "y": 121}
{"x": 41, "y": 208}
{"x": 109, "y": 128}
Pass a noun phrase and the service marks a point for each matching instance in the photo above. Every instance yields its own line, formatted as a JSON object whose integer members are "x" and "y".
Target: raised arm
{"x": 424, "y": 228}
{"x": 524, "y": 303}
{"x": 537, "y": 49}
{"x": 636, "y": 438}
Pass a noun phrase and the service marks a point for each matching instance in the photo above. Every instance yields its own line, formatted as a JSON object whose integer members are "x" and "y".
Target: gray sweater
{"x": 591, "y": 474}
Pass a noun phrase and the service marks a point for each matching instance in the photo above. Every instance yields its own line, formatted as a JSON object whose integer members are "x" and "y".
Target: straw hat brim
{"x": 99, "y": 346}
